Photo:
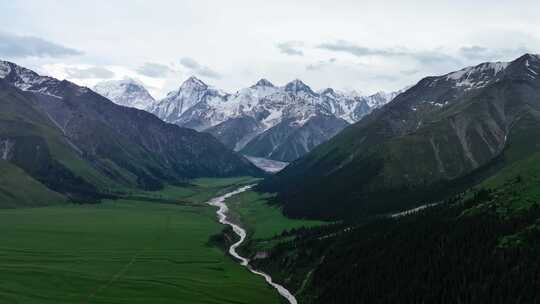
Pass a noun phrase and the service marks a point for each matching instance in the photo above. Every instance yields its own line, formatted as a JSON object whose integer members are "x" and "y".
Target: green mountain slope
{"x": 36, "y": 155}
{"x": 82, "y": 145}
{"x": 437, "y": 138}
{"x": 19, "y": 189}
{"x": 480, "y": 246}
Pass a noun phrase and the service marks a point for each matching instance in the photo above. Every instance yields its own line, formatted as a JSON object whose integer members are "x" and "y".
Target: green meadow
{"x": 148, "y": 248}
{"x": 263, "y": 222}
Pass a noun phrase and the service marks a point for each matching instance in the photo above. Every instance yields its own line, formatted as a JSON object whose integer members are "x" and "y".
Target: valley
{"x": 481, "y": 245}
{"x": 272, "y": 152}
{"x": 154, "y": 247}
{"x": 240, "y": 232}
{"x": 438, "y": 138}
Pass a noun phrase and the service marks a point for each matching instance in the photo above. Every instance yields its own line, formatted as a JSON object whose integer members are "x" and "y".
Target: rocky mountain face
{"x": 193, "y": 92}
{"x": 438, "y": 136}
{"x": 289, "y": 140}
{"x": 78, "y": 143}
{"x": 127, "y": 92}
{"x": 263, "y": 120}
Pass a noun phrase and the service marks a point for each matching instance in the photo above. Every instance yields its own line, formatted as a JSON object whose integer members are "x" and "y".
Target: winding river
{"x": 222, "y": 216}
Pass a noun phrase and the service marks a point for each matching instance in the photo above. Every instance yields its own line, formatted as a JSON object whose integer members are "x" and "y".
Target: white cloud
{"x": 377, "y": 44}
{"x": 154, "y": 70}
{"x": 89, "y": 73}
{"x": 15, "y": 46}
{"x": 199, "y": 69}
{"x": 292, "y": 48}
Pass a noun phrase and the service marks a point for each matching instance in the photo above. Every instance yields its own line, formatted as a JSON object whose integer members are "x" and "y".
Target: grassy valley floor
{"x": 268, "y": 229}
{"x": 149, "y": 248}
{"x": 263, "y": 221}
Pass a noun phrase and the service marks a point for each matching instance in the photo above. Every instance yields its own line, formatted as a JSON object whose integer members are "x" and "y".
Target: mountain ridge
{"x": 81, "y": 144}
{"x": 260, "y": 119}
{"x": 427, "y": 139}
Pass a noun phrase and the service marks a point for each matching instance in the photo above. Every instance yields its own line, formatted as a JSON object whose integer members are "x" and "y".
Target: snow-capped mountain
{"x": 343, "y": 105}
{"x": 438, "y": 132}
{"x": 265, "y": 120}
{"x": 191, "y": 93}
{"x": 28, "y": 80}
{"x": 126, "y": 92}
{"x": 128, "y": 148}
{"x": 379, "y": 99}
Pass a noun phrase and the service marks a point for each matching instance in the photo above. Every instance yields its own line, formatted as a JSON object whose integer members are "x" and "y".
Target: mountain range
{"x": 431, "y": 193}
{"x": 263, "y": 120}
{"x": 438, "y": 137}
{"x": 63, "y": 140}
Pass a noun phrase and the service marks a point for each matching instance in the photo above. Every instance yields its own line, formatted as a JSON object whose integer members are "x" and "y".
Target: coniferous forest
{"x": 461, "y": 251}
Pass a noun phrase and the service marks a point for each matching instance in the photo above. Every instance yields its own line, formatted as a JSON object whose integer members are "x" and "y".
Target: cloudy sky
{"x": 361, "y": 45}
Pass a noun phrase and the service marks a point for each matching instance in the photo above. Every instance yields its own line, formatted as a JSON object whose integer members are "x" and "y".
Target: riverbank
{"x": 222, "y": 216}
{"x": 266, "y": 228}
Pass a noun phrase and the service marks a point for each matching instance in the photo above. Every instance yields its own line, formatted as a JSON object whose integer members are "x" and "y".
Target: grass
{"x": 15, "y": 183}
{"x": 514, "y": 193}
{"x": 196, "y": 191}
{"x": 124, "y": 251}
{"x": 516, "y": 186}
{"x": 261, "y": 220}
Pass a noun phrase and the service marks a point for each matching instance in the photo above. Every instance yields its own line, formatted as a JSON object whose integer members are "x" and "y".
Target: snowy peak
{"x": 261, "y": 119}
{"x": 526, "y": 67}
{"x": 479, "y": 76}
{"x": 296, "y": 86}
{"x": 126, "y": 92}
{"x": 199, "y": 106}
{"x": 22, "y": 78}
{"x": 5, "y": 68}
{"x": 475, "y": 77}
{"x": 193, "y": 83}
{"x": 329, "y": 92}
{"x": 481, "y": 72}
{"x": 263, "y": 83}
{"x": 190, "y": 87}
{"x": 527, "y": 60}
{"x": 28, "y": 80}
{"x": 528, "y": 57}
{"x": 192, "y": 92}
{"x": 379, "y": 99}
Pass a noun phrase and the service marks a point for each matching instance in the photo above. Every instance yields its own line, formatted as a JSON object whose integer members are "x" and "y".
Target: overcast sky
{"x": 363, "y": 45}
